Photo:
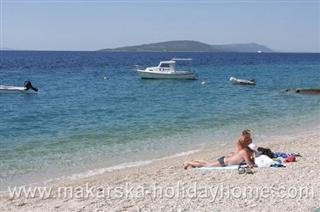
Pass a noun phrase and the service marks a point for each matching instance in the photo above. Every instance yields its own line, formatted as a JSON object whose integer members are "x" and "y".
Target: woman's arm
{"x": 248, "y": 159}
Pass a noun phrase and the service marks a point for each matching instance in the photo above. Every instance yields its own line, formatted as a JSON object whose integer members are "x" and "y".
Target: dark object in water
{"x": 304, "y": 90}
{"x": 27, "y": 84}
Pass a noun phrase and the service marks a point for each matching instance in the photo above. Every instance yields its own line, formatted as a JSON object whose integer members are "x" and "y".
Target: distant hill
{"x": 191, "y": 46}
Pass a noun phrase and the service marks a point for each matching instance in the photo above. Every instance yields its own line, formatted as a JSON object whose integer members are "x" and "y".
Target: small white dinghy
{"x": 242, "y": 81}
{"x": 16, "y": 89}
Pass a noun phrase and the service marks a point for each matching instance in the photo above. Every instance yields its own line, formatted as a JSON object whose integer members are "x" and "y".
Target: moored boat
{"x": 16, "y": 89}
{"x": 242, "y": 81}
{"x": 166, "y": 70}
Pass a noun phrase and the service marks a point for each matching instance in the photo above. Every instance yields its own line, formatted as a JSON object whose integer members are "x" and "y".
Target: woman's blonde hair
{"x": 246, "y": 132}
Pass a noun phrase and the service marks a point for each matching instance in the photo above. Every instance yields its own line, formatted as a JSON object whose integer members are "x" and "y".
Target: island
{"x": 191, "y": 46}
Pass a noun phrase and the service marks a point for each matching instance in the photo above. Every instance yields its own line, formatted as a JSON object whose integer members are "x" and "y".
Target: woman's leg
{"x": 197, "y": 164}
{"x": 194, "y": 164}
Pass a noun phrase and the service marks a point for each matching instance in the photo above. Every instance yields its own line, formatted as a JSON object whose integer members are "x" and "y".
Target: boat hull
{"x": 12, "y": 89}
{"x": 176, "y": 75}
{"x": 242, "y": 81}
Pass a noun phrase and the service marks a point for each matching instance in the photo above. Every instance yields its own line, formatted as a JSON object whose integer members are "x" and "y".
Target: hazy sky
{"x": 91, "y": 25}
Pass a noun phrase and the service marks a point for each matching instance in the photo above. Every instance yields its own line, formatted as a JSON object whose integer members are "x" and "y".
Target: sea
{"x": 93, "y": 113}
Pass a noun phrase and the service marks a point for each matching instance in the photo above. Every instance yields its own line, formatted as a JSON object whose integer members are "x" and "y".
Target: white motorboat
{"x": 15, "y": 89}
{"x": 167, "y": 70}
{"x": 242, "y": 81}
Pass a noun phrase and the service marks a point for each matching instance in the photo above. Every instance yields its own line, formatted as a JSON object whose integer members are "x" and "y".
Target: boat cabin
{"x": 167, "y": 65}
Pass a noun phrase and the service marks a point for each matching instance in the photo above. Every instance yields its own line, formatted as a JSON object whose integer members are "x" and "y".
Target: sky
{"x": 289, "y": 26}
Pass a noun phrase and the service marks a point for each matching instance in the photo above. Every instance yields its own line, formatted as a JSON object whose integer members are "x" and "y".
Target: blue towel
{"x": 283, "y": 154}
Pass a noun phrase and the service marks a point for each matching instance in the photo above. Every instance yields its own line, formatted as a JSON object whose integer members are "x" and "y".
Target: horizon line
{"x": 52, "y": 50}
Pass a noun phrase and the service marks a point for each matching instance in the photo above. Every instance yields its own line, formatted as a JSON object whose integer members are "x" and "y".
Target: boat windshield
{"x": 165, "y": 65}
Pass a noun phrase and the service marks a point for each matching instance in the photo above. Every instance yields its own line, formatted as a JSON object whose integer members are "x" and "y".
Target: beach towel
{"x": 284, "y": 154}
{"x": 219, "y": 167}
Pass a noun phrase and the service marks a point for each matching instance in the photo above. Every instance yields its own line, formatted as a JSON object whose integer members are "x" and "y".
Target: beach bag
{"x": 263, "y": 161}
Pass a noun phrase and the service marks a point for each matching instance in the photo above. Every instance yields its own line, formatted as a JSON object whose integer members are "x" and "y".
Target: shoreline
{"x": 167, "y": 172}
{"x": 149, "y": 161}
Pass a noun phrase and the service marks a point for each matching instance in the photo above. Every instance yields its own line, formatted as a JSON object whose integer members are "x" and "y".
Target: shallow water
{"x": 93, "y": 110}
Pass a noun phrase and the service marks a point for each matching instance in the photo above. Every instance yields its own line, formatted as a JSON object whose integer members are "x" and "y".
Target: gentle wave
{"x": 121, "y": 166}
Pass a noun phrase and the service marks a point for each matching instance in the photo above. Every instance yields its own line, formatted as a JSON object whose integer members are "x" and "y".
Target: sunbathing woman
{"x": 244, "y": 155}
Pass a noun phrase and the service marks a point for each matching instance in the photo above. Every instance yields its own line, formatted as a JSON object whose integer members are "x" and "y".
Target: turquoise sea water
{"x": 93, "y": 111}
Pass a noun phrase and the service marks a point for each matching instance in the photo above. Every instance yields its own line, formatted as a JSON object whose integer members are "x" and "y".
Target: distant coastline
{"x": 191, "y": 46}
{"x": 120, "y": 49}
